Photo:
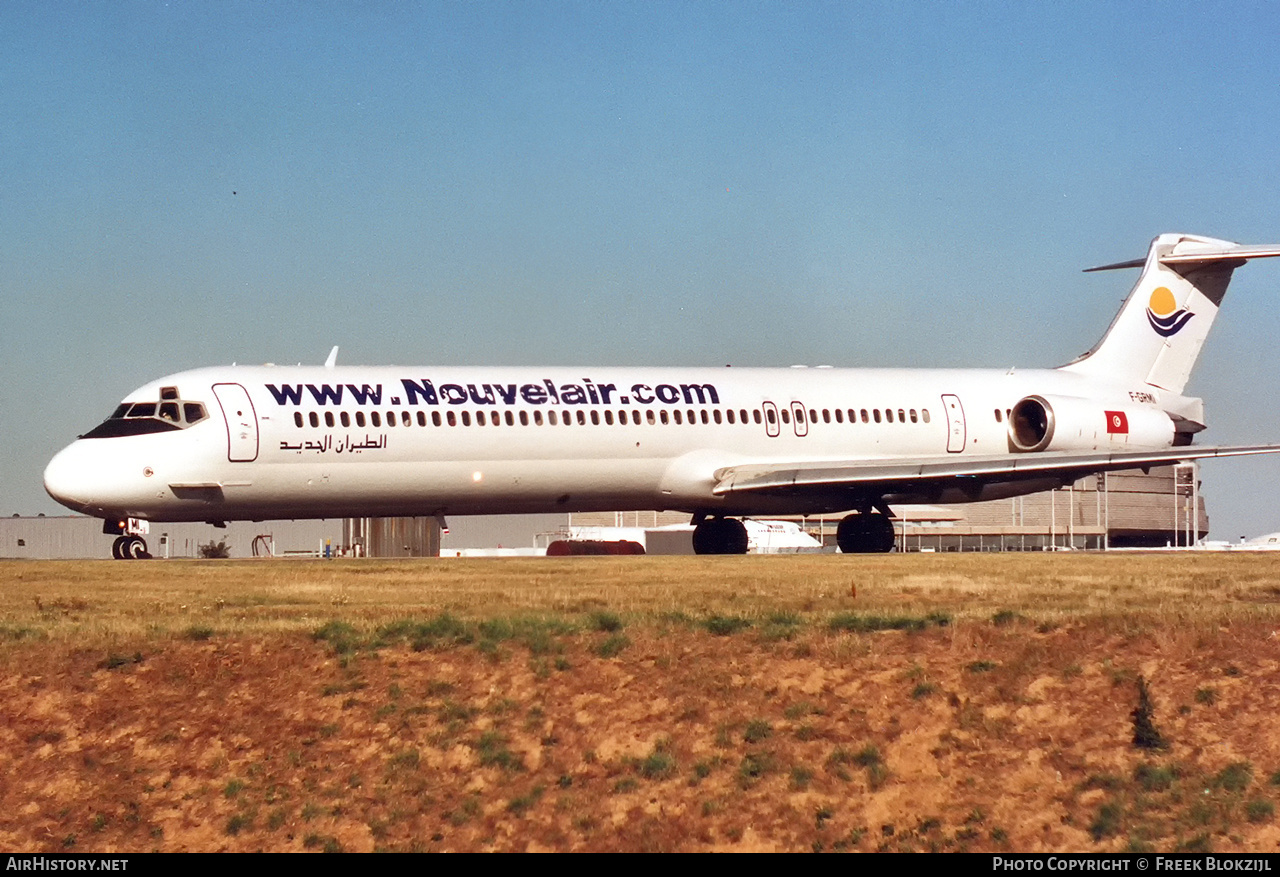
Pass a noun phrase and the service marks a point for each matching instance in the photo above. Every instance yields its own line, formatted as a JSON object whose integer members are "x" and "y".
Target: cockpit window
{"x": 140, "y": 418}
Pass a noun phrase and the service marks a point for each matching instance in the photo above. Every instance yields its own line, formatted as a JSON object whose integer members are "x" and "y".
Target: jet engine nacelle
{"x": 1070, "y": 423}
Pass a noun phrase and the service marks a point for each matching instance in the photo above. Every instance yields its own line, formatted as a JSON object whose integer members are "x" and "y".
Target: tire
{"x": 134, "y": 548}
{"x": 720, "y": 536}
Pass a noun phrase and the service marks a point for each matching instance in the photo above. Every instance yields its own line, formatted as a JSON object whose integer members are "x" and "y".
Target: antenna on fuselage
{"x": 333, "y": 357}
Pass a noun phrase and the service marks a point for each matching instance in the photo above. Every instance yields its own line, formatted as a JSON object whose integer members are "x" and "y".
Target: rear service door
{"x": 242, "y": 422}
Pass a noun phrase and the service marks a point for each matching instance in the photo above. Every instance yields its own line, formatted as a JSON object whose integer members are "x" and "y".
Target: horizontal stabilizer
{"x": 1190, "y": 252}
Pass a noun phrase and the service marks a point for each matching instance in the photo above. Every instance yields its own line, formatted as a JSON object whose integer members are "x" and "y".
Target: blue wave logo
{"x": 1163, "y": 313}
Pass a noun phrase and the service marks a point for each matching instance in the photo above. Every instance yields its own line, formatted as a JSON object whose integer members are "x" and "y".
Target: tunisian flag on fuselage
{"x": 1117, "y": 423}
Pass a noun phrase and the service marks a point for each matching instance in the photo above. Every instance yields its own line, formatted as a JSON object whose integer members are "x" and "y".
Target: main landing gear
{"x": 130, "y": 548}
{"x": 719, "y": 536}
{"x": 866, "y": 533}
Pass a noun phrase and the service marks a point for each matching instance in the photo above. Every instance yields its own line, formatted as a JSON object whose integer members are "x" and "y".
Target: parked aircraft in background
{"x": 272, "y": 442}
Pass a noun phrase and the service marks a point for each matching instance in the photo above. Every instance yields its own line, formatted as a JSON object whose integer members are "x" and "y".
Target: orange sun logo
{"x": 1163, "y": 312}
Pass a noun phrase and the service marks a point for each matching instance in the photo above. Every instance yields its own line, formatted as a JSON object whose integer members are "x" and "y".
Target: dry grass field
{"x": 922, "y": 702}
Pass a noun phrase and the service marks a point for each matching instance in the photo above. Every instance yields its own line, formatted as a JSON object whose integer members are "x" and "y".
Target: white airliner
{"x": 270, "y": 442}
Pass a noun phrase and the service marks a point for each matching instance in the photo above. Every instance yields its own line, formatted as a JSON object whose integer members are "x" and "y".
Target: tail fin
{"x": 1162, "y": 325}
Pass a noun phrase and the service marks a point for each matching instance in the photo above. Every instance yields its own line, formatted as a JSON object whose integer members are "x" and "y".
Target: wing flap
{"x": 891, "y": 473}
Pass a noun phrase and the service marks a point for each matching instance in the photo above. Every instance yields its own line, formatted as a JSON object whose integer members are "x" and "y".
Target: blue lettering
{"x": 642, "y": 393}
{"x": 690, "y": 389}
{"x": 479, "y": 398}
{"x": 286, "y": 393}
{"x": 367, "y": 394}
{"x": 572, "y": 394}
{"x": 507, "y": 392}
{"x": 533, "y": 394}
{"x": 326, "y": 393}
{"x": 413, "y": 390}
{"x": 454, "y": 394}
{"x": 667, "y": 393}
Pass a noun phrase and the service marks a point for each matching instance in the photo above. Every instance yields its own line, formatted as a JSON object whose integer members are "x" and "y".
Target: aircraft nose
{"x": 69, "y": 477}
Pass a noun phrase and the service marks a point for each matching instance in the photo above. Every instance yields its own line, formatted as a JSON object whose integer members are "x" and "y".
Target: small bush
{"x": 612, "y": 645}
{"x": 342, "y": 636}
{"x": 1235, "y": 777}
{"x": 658, "y": 764}
{"x": 1260, "y": 810}
{"x": 1155, "y": 779}
{"x": 725, "y": 625}
{"x": 1107, "y": 822}
{"x": 215, "y": 550}
{"x": 1145, "y": 734}
{"x": 606, "y": 622}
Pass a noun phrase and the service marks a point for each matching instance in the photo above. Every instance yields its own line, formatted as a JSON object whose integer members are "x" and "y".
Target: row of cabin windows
{"x": 635, "y": 416}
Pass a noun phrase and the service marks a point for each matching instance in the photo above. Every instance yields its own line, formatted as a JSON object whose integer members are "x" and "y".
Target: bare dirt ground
{"x": 133, "y": 720}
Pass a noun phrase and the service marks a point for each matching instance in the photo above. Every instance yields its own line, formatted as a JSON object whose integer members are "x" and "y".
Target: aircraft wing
{"x": 892, "y": 474}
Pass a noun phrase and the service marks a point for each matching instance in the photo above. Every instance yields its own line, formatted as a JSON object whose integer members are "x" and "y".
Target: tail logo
{"x": 1163, "y": 313}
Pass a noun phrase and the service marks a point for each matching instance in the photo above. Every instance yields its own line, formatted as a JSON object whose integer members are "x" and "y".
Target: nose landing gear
{"x": 130, "y": 548}
{"x": 129, "y": 544}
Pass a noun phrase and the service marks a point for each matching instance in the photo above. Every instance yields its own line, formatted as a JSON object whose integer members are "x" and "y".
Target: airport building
{"x": 1159, "y": 509}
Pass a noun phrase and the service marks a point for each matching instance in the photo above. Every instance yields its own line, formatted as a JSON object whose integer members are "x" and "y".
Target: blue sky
{"x": 900, "y": 183}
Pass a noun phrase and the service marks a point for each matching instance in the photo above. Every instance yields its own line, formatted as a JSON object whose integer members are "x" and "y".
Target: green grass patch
{"x": 612, "y": 645}
{"x": 849, "y": 622}
{"x": 726, "y": 625}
